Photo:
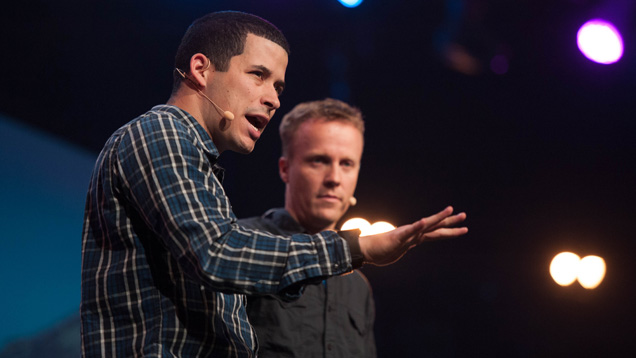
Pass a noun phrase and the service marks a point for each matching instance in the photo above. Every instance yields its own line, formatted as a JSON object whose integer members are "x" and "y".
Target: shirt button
{"x": 329, "y": 346}
{"x": 336, "y": 266}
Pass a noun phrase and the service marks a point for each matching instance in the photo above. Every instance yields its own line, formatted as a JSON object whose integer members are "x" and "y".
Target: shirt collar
{"x": 201, "y": 135}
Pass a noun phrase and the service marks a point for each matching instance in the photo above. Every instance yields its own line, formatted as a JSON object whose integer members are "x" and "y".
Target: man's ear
{"x": 283, "y": 169}
{"x": 199, "y": 66}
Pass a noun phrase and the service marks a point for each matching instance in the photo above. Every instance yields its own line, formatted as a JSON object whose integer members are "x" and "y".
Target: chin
{"x": 244, "y": 148}
{"x": 329, "y": 217}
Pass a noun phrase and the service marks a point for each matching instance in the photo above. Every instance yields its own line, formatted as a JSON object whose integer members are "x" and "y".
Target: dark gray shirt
{"x": 333, "y": 318}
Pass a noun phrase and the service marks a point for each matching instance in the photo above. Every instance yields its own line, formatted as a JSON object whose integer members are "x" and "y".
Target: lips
{"x": 329, "y": 197}
{"x": 257, "y": 121}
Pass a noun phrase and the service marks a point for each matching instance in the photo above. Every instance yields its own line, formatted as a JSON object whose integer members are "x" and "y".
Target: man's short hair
{"x": 221, "y": 36}
{"x": 328, "y": 109}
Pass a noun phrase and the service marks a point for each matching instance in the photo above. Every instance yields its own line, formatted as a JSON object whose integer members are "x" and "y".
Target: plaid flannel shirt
{"x": 165, "y": 267}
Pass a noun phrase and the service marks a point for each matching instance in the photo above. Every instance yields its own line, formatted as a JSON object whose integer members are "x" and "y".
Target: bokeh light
{"x": 591, "y": 271}
{"x": 600, "y": 41}
{"x": 350, "y": 3}
{"x": 564, "y": 268}
{"x": 380, "y": 227}
{"x": 366, "y": 228}
{"x": 356, "y": 223}
{"x": 568, "y": 267}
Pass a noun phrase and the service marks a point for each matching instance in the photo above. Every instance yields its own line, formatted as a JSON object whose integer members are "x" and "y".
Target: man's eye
{"x": 258, "y": 74}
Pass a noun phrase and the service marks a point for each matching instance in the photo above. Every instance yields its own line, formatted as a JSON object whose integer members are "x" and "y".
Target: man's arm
{"x": 170, "y": 184}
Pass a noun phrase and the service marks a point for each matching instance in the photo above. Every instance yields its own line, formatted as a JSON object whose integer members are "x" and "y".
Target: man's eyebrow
{"x": 263, "y": 69}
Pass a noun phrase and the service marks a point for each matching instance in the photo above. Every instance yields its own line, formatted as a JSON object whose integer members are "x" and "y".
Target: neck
{"x": 188, "y": 100}
{"x": 310, "y": 225}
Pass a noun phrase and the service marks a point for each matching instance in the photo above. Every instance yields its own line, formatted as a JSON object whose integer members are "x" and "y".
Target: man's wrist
{"x": 352, "y": 237}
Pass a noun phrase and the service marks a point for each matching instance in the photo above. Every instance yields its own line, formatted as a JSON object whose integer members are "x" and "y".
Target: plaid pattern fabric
{"x": 165, "y": 267}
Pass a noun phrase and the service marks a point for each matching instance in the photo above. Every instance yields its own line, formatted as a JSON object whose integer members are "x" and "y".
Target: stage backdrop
{"x": 43, "y": 184}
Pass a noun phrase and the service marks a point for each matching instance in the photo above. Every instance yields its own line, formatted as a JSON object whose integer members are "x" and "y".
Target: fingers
{"x": 410, "y": 233}
{"x": 433, "y": 220}
{"x": 441, "y": 234}
{"x": 439, "y": 226}
{"x": 450, "y": 221}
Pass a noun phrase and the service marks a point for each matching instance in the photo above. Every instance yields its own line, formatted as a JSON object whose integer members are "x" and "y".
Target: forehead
{"x": 260, "y": 51}
{"x": 332, "y": 137}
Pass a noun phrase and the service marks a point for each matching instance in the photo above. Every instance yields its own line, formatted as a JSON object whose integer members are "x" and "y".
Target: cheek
{"x": 309, "y": 183}
{"x": 301, "y": 181}
{"x": 351, "y": 182}
{"x": 240, "y": 92}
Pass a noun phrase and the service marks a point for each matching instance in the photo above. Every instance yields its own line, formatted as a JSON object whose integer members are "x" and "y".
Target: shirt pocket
{"x": 358, "y": 320}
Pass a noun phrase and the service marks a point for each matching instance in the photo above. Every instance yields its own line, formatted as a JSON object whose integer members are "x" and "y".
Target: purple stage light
{"x": 600, "y": 41}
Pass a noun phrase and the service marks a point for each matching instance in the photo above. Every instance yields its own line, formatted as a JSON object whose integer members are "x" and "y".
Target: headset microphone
{"x": 226, "y": 114}
{"x": 353, "y": 201}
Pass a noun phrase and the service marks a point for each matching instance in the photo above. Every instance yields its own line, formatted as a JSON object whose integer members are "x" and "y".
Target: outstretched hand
{"x": 386, "y": 248}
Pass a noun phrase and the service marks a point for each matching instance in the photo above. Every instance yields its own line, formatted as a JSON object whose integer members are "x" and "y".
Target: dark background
{"x": 540, "y": 157}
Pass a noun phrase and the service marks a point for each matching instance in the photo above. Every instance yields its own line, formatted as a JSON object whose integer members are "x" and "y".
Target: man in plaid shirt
{"x": 165, "y": 267}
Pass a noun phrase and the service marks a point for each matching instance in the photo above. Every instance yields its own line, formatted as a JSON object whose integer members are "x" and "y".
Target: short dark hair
{"x": 328, "y": 109}
{"x": 221, "y": 36}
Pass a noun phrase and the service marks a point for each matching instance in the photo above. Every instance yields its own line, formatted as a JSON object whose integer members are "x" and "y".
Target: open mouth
{"x": 257, "y": 122}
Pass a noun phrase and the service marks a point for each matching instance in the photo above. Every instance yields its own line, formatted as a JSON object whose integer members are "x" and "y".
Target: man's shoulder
{"x": 165, "y": 117}
{"x": 250, "y": 220}
{"x": 253, "y": 222}
{"x": 158, "y": 120}
{"x": 260, "y": 223}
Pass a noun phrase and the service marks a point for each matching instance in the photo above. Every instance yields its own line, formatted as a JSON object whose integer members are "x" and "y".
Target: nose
{"x": 270, "y": 99}
{"x": 333, "y": 176}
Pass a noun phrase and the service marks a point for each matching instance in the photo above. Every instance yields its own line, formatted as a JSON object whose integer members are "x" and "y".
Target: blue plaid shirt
{"x": 165, "y": 267}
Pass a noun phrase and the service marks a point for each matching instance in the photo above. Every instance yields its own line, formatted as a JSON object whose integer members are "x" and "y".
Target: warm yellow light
{"x": 591, "y": 271}
{"x": 357, "y": 223}
{"x": 366, "y": 228}
{"x": 380, "y": 227}
{"x": 564, "y": 268}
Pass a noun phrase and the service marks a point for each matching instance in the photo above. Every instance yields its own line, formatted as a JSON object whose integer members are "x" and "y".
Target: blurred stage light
{"x": 591, "y": 271}
{"x": 381, "y": 226}
{"x": 600, "y": 41}
{"x": 564, "y": 268}
{"x": 366, "y": 228}
{"x": 350, "y": 3}
{"x": 356, "y": 223}
{"x": 568, "y": 267}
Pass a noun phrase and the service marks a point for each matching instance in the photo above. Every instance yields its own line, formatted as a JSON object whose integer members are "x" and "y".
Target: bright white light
{"x": 567, "y": 267}
{"x": 591, "y": 271}
{"x": 380, "y": 227}
{"x": 366, "y": 228}
{"x": 600, "y": 41}
{"x": 564, "y": 268}
{"x": 350, "y": 3}
{"x": 357, "y": 223}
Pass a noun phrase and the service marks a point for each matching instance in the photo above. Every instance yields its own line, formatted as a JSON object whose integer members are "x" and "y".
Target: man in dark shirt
{"x": 322, "y": 149}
